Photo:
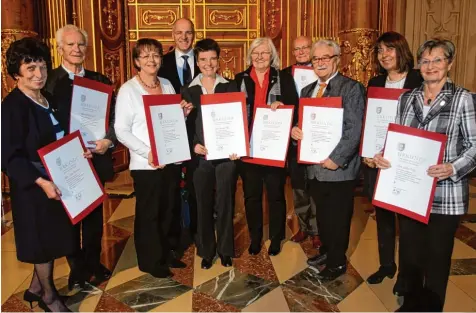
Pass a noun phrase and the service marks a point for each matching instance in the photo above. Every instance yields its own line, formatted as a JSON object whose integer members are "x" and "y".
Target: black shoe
{"x": 399, "y": 287}
{"x": 29, "y": 296}
{"x": 332, "y": 273}
{"x": 77, "y": 277}
{"x": 383, "y": 271}
{"x": 176, "y": 263}
{"x": 102, "y": 273}
{"x": 226, "y": 261}
{"x": 274, "y": 247}
{"x": 45, "y": 307}
{"x": 162, "y": 272}
{"x": 207, "y": 263}
{"x": 254, "y": 249}
{"x": 317, "y": 260}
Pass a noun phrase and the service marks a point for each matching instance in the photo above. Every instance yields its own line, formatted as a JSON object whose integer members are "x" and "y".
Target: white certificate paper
{"x": 224, "y": 130}
{"x": 270, "y": 135}
{"x": 303, "y": 76}
{"x": 89, "y": 110}
{"x": 406, "y": 187}
{"x": 170, "y": 133}
{"x": 322, "y": 131}
{"x": 74, "y": 176}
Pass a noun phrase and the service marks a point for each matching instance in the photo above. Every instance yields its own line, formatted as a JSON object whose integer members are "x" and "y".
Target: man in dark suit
{"x": 304, "y": 206}
{"x": 332, "y": 183}
{"x": 180, "y": 67}
{"x": 72, "y": 43}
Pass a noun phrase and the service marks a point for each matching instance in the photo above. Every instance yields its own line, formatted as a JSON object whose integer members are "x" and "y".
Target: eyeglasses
{"x": 147, "y": 57}
{"x": 256, "y": 55}
{"x": 436, "y": 62}
{"x": 324, "y": 59}
{"x": 302, "y": 48}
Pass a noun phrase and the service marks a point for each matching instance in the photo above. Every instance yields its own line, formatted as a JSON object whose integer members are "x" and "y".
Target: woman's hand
{"x": 187, "y": 107}
{"x": 380, "y": 162}
{"x": 296, "y": 133}
{"x": 369, "y": 162}
{"x": 199, "y": 149}
{"x": 51, "y": 190}
{"x": 88, "y": 154}
{"x": 151, "y": 162}
{"x": 275, "y": 105}
{"x": 441, "y": 171}
{"x": 234, "y": 157}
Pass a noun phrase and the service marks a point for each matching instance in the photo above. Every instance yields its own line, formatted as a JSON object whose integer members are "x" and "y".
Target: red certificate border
{"x": 57, "y": 144}
{"x": 95, "y": 85}
{"x": 224, "y": 98}
{"x": 155, "y": 100}
{"x": 325, "y": 102}
{"x": 418, "y": 133}
{"x": 269, "y": 162}
{"x": 378, "y": 93}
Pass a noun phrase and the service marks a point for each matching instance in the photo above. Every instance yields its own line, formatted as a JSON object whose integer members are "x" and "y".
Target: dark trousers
{"x": 219, "y": 176}
{"x": 426, "y": 255}
{"x": 274, "y": 179}
{"x": 157, "y": 219}
{"x": 88, "y": 238}
{"x": 305, "y": 210}
{"x": 334, "y": 207}
{"x": 190, "y": 167}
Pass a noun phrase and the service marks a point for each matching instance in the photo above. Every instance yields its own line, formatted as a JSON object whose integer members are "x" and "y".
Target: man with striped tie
{"x": 331, "y": 184}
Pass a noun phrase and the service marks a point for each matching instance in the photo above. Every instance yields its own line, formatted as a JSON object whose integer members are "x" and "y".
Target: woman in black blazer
{"x": 395, "y": 64}
{"x": 211, "y": 175}
{"x": 264, "y": 84}
{"x": 43, "y": 231}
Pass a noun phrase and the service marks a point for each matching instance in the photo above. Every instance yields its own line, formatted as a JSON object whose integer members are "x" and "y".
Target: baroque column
{"x": 358, "y": 31}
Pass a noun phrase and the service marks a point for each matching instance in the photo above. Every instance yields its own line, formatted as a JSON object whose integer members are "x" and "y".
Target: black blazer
{"x": 413, "y": 80}
{"x": 169, "y": 70}
{"x": 288, "y": 95}
{"x": 61, "y": 87}
{"x": 25, "y": 129}
{"x": 192, "y": 95}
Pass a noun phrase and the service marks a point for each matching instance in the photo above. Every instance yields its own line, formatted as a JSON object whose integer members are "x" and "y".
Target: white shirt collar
{"x": 328, "y": 80}
{"x": 197, "y": 81}
{"x": 178, "y": 54}
{"x": 71, "y": 74}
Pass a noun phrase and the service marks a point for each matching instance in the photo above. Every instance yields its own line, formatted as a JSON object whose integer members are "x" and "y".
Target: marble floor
{"x": 282, "y": 283}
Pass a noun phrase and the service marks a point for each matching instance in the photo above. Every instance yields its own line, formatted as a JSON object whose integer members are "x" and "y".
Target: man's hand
{"x": 101, "y": 145}
{"x": 329, "y": 164}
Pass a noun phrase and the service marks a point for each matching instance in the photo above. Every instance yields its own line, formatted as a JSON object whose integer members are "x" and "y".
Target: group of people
{"x": 36, "y": 113}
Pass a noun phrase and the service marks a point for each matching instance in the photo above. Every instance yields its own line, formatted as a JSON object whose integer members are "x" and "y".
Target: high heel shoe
{"x": 45, "y": 307}
{"x": 29, "y": 296}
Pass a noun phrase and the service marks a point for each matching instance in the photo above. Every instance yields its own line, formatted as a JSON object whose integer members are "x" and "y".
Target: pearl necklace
{"x": 395, "y": 81}
{"x": 156, "y": 85}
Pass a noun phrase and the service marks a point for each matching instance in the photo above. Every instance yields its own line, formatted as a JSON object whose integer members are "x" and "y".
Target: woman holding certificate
{"x": 157, "y": 189}
{"x": 442, "y": 107}
{"x": 43, "y": 231}
{"x": 395, "y": 64}
{"x": 211, "y": 175}
{"x": 264, "y": 84}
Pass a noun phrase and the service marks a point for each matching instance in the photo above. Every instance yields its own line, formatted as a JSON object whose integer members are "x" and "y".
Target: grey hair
{"x": 326, "y": 42}
{"x": 448, "y": 47}
{"x": 274, "y": 53}
{"x": 67, "y": 28}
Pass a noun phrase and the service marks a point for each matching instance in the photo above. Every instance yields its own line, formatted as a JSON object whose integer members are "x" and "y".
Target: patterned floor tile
{"x": 13, "y": 304}
{"x": 362, "y": 298}
{"x": 290, "y": 261}
{"x": 8, "y": 240}
{"x": 202, "y": 302}
{"x": 463, "y": 267}
{"x": 466, "y": 284}
{"x": 126, "y": 208}
{"x": 109, "y": 207}
{"x": 182, "y": 303}
{"x": 463, "y": 250}
{"x": 306, "y": 292}
{"x": 236, "y": 288}
{"x": 108, "y": 303}
{"x": 201, "y": 276}
{"x": 185, "y": 275}
{"x": 464, "y": 233}
{"x": 457, "y": 300}
{"x": 14, "y": 273}
{"x": 258, "y": 265}
{"x": 146, "y": 292}
{"x": 274, "y": 301}
{"x": 126, "y": 223}
{"x": 110, "y": 256}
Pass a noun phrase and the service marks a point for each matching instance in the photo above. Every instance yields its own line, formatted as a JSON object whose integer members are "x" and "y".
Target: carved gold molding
{"x": 226, "y": 17}
{"x": 110, "y": 12}
{"x": 273, "y": 20}
{"x": 159, "y": 17}
{"x": 227, "y": 72}
{"x": 112, "y": 70}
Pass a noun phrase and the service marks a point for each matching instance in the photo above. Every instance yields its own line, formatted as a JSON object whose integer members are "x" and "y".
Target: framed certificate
{"x": 321, "y": 121}
{"x": 90, "y": 106}
{"x": 381, "y": 110}
{"x": 167, "y": 130}
{"x": 74, "y": 175}
{"x": 270, "y": 135}
{"x": 225, "y": 125}
{"x": 303, "y": 76}
{"x": 405, "y": 187}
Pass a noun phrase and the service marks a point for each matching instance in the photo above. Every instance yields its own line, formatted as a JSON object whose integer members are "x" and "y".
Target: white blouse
{"x": 130, "y": 124}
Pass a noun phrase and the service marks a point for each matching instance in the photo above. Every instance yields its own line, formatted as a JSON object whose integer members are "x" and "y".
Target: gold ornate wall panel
{"x": 451, "y": 19}
{"x": 234, "y": 24}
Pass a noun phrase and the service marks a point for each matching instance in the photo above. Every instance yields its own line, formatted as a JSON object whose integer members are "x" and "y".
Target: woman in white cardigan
{"x": 157, "y": 188}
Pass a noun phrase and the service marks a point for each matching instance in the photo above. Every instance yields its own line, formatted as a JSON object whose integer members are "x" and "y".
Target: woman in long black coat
{"x": 42, "y": 229}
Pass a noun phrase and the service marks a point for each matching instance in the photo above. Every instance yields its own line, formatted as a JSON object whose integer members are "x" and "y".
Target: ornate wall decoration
{"x": 159, "y": 17}
{"x": 357, "y": 53}
{"x": 228, "y": 60}
{"x": 111, "y": 67}
{"x": 109, "y": 17}
{"x": 273, "y": 18}
{"x": 7, "y": 40}
{"x": 225, "y": 18}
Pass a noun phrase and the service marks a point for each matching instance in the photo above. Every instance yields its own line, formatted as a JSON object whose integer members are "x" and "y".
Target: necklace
{"x": 396, "y": 81}
{"x": 156, "y": 85}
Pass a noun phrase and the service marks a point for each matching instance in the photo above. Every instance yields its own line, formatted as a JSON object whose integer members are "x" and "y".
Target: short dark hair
{"x": 448, "y": 47}
{"x": 405, "y": 61}
{"x": 204, "y": 45}
{"x": 146, "y": 44}
{"x": 24, "y": 51}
